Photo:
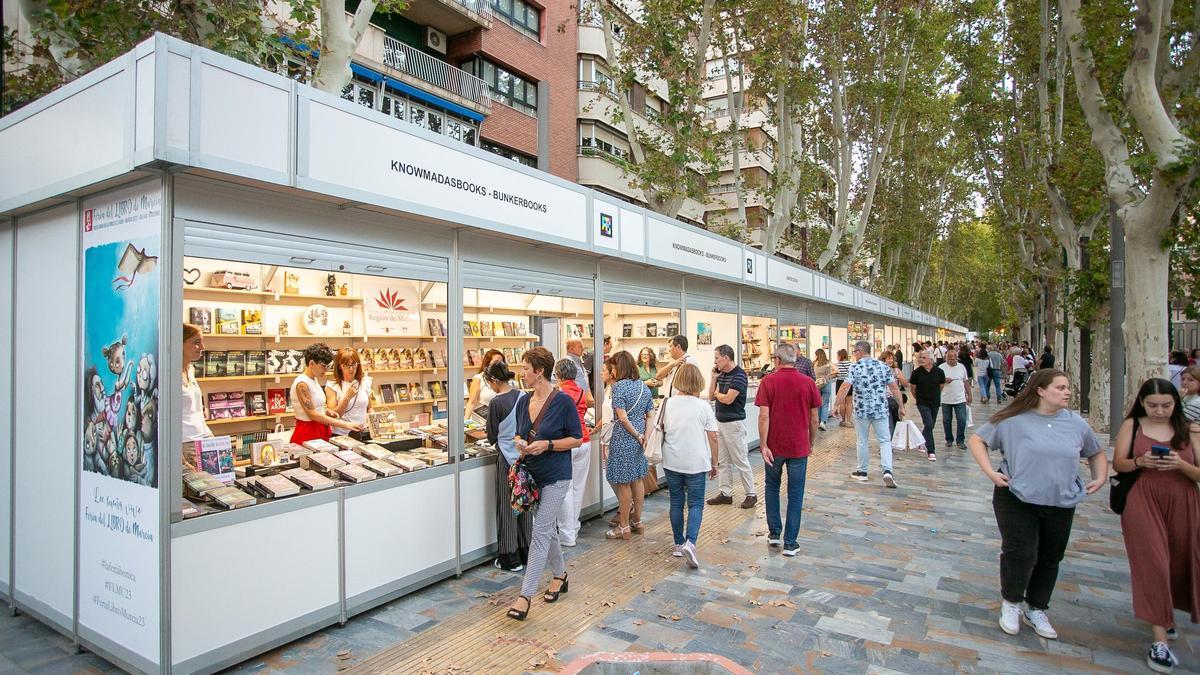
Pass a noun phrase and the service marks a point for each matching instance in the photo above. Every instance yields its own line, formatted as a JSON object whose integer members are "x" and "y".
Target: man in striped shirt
{"x": 727, "y": 388}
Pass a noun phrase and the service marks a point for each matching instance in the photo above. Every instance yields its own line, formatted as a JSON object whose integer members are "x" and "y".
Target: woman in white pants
{"x": 565, "y": 371}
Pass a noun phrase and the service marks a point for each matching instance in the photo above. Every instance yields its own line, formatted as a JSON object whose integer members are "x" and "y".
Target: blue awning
{"x": 438, "y": 101}
{"x": 366, "y": 73}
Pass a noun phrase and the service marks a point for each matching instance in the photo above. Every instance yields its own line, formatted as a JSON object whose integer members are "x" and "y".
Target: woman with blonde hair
{"x": 823, "y": 369}
{"x": 349, "y": 392}
{"x": 689, "y": 454}
{"x": 843, "y": 371}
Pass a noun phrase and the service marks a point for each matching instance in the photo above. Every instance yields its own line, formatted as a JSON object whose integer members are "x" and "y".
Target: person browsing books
{"x": 349, "y": 392}
{"x": 513, "y": 529}
{"x": 547, "y": 430}
{"x": 194, "y": 426}
{"x": 478, "y": 393}
{"x": 314, "y": 419}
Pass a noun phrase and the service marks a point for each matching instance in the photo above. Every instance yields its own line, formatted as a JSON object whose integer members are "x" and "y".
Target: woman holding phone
{"x": 1037, "y": 488}
{"x": 1161, "y": 520}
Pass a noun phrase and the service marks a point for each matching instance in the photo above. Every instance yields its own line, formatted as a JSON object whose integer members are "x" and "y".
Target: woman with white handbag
{"x": 689, "y": 452}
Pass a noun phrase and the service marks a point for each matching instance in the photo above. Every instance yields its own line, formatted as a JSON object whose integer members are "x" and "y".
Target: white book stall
{"x": 174, "y": 186}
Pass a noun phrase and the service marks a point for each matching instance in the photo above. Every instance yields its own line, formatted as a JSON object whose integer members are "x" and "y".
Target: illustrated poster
{"x": 118, "y": 500}
{"x": 391, "y": 306}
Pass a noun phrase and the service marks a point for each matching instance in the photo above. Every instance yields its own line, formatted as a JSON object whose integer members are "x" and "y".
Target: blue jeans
{"x": 796, "y": 471}
{"x": 997, "y": 386}
{"x": 983, "y": 385}
{"x": 959, "y": 410}
{"x": 929, "y": 415}
{"x": 827, "y": 394}
{"x": 862, "y": 426}
{"x": 689, "y": 486}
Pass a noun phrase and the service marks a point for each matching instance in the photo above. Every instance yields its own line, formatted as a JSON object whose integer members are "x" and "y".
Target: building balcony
{"x": 451, "y": 16}
{"x": 417, "y": 69}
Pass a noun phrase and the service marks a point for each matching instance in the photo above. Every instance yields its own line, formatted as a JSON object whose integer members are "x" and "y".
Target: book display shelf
{"x": 257, "y": 320}
{"x": 634, "y": 328}
{"x": 758, "y": 336}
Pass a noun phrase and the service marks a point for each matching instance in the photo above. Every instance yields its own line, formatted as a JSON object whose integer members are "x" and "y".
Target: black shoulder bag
{"x": 1120, "y": 484}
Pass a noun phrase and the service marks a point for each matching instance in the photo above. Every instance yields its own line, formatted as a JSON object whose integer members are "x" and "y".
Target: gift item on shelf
{"x": 316, "y": 319}
{"x": 232, "y": 280}
{"x": 264, "y": 454}
{"x": 331, "y": 285}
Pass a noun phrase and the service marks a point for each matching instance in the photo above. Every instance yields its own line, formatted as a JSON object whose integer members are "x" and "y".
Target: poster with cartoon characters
{"x": 118, "y": 500}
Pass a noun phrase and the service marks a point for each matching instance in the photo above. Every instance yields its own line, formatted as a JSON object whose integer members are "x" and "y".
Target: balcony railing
{"x": 483, "y": 7}
{"x": 440, "y": 74}
{"x": 613, "y": 156}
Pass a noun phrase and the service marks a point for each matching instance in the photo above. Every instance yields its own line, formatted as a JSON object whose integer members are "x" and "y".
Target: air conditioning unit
{"x": 435, "y": 39}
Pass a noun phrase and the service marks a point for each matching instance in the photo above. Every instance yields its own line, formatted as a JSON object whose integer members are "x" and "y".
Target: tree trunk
{"x": 1098, "y": 398}
{"x": 1146, "y": 269}
{"x": 339, "y": 40}
{"x": 62, "y": 48}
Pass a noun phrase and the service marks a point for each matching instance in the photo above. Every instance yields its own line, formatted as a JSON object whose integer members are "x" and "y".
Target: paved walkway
{"x": 888, "y": 581}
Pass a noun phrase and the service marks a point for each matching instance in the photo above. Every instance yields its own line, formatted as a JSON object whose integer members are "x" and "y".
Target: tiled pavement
{"x": 887, "y": 581}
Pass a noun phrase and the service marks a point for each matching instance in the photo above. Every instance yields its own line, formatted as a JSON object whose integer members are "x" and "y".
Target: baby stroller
{"x": 1016, "y": 384}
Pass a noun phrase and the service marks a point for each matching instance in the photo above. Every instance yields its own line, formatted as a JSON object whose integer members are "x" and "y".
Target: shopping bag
{"x": 916, "y": 439}
{"x": 900, "y": 437}
{"x": 970, "y": 417}
{"x": 525, "y": 492}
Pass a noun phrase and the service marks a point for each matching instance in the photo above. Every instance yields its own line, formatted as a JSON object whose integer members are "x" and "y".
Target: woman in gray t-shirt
{"x": 1037, "y": 488}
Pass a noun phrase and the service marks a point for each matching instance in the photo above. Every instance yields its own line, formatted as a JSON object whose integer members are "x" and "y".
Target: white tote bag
{"x": 654, "y": 434}
{"x": 907, "y": 436}
{"x": 970, "y": 417}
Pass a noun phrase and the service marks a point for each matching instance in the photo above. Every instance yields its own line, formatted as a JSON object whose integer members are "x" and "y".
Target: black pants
{"x": 929, "y": 412}
{"x": 1033, "y": 540}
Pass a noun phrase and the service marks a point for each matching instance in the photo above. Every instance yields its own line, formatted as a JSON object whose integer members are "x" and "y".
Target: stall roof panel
{"x": 168, "y": 101}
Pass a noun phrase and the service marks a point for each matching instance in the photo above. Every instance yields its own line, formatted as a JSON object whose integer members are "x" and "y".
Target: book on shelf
{"x": 626, "y": 330}
{"x": 407, "y": 462}
{"x": 435, "y": 359}
{"x": 485, "y": 329}
{"x": 349, "y": 456}
{"x": 672, "y": 328}
{"x": 202, "y": 318}
{"x": 256, "y": 403}
{"x": 652, "y": 329}
{"x": 321, "y": 462}
{"x": 498, "y": 328}
{"x": 387, "y": 393}
{"x": 228, "y": 322}
{"x": 344, "y": 442}
{"x": 256, "y": 362}
{"x": 355, "y": 473}
{"x": 416, "y": 392}
{"x": 466, "y": 329}
{"x": 276, "y": 362}
{"x": 308, "y": 480}
{"x": 242, "y": 449}
{"x": 591, "y": 330}
{"x": 252, "y": 322}
{"x": 401, "y": 393}
{"x": 214, "y": 363}
{"x": 319, "y": 445}
{"x": 431, "y": 325}
{"x": 507, "y": 328}
{"x": 472, "y": 357}
{"x": 236, "y": 402}
{"x": 381, "y": 467}
{"x": 197, "y": 484}
{"x": 521, "y": 331}
{"x": 231, "y": 498}
{"x": 367, "y": 357}
{"x": 215, "y": 455}
{"x": 235, "y": 363}
{"x": 435, "y": 388}
{"x": 475, "y": 329}
{"x": 277, "y": 486}
{"x": 373, "y": 451}
{"x": 295, "y": 361}
{"x": 277, "y": 401}
{"x": 420, "y": 358}
{"x": 217, "y": 408}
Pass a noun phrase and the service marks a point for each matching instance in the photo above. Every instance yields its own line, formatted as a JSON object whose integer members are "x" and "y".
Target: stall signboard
{"x": 689, "y": 249}
{"x": 890, "y": 308}
{"x": 391, "y": 307}
{"x": 398, "y": 165}
{"x": 756, "y": 267}
{"x": 606, "y": 225}
{"x": 118, "y": 485}
{"x": 784, "y": 277}
{"x": 872, "y": 302}
{"x": 836, "y": 291}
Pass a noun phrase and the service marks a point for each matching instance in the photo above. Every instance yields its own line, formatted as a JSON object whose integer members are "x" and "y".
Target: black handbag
{"x": 1120, "y": 484}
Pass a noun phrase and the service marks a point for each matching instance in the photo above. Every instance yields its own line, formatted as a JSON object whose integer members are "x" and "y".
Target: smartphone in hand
{"x": 1160, "y": 451}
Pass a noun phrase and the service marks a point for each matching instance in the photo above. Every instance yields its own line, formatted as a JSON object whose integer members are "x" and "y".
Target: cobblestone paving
{"x": 901, "y": 580}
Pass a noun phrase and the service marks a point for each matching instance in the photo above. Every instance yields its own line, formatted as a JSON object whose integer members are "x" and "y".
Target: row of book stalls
{"x": 272, "y": 217}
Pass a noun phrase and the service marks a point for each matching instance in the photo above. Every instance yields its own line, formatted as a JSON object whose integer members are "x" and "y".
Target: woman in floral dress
{"x": 632, "y": 406}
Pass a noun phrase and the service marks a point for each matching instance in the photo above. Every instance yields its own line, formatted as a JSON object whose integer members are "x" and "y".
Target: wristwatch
{"x": 550, "y": 446}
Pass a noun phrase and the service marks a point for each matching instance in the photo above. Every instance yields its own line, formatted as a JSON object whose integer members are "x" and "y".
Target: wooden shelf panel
{"x": 258, "y": 418}
{"x": 289, "y": 376}
{"x": 401, "y": 404}
{"x": 324, "y": 338}
{"x": 265, "y": 295}
{"x": 524, "y": 338}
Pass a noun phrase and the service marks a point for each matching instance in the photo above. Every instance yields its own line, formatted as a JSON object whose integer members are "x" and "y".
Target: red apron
{"x": 307, "y": 430}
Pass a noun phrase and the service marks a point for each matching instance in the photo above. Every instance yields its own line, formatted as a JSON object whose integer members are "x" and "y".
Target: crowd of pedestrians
{"x": 1030, "y": 449}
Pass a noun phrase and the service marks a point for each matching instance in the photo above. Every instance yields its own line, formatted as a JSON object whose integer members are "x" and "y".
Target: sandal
{"x": 517, "y": 614}
{"x": 614, "y": 521}
{"x": 552, "y": 596}
{"x": 637, "y": 527}
{"x": 618, "y": 533}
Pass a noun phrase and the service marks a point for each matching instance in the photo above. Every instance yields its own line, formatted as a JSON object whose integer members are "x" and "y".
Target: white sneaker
{"x": 1161, "y": 659}
{"x": 689, "y": 555}
{"x": 1036, "y": 619}
{"x": 821, "y": 426}
{"x": 1010, "y": 617}
{"x": 677, "y": 550}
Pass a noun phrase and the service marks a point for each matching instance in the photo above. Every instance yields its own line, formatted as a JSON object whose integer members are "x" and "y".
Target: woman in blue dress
{"x": 632, "y": 406}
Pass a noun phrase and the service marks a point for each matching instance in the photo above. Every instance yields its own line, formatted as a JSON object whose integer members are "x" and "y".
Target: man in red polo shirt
{"x": 787, "y": 402}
